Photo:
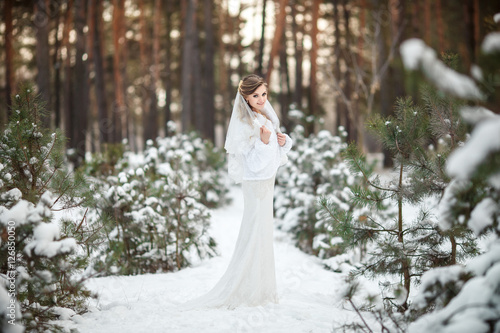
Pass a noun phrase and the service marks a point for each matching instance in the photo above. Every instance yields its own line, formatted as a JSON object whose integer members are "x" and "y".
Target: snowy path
{"x": 309, "y": 300}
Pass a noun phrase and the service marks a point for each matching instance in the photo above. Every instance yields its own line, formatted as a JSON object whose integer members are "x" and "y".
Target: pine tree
{"x": 419, "y": 138}
{"x": 459, "y": 296}
{"x": 41, "y": 263}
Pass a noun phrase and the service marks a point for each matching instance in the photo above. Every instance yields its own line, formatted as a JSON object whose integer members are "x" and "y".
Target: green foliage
{"x": 419, "y": 138}
{"x": 152, "y": 211}
{"x": 315, "y": 169}
{"x": 34, "y": 182}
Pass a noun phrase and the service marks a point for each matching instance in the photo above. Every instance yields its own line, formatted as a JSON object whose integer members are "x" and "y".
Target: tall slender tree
{"x": 209, "y": 73}
{"x": 104, "y": 122}
{"x": 9, "y": 58}
{"x": 81, "y": 84}
{"x": 118, "y": 43}
{"x": 187, "y": 51}
{"x": 42, "y": 26}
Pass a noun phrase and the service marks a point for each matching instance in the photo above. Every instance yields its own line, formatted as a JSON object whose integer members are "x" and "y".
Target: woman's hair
{"x": 249, "y": 84}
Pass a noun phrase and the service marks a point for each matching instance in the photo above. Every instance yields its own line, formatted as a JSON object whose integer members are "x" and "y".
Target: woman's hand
{"x": 265, "y": 134}
{"x": 281, "y": 139}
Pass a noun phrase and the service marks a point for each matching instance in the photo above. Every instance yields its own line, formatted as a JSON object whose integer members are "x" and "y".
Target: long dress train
{"x": 250, "y": 277}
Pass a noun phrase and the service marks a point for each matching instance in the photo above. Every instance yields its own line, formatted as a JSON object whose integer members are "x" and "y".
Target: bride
{"x": 256, "y": 148}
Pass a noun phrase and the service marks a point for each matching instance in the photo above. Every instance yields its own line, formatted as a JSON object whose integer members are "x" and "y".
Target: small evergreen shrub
{"x": 152, "y": 209}
{"x": 41, "y": 263}
{"x": 315, "y": 169}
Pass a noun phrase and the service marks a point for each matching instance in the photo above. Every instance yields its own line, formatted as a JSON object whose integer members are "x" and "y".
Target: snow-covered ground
{"x": 309, "y": 295}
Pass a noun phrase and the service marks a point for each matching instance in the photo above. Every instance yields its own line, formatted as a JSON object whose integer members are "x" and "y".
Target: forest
{"x": 114, "y": 196}
{"x": 114, "y": 70}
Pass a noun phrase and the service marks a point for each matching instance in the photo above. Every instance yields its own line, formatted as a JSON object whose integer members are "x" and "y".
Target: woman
{"x": 256, "y": 148}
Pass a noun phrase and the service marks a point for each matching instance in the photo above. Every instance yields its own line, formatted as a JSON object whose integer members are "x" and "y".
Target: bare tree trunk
{"x": 195, "y": 61}
{"x": 153, "y": 111}
{"x": 209, "y": 80}
{"x": 477, "y": 30}
{"x": 42, "y": 54}
{"x": 81, "y": 95}
{"x": 350, "y": 108}
{"x": 104, "y": 122}
{"x": 278, "y": 33}
{"x": 168, "y": 72}
{"x": 440, "y": 26}
{"x": 118, "y": 41}
{"x": 57, "y": 73}
{"x": 427, "y": 22}
{"x": 341, "y": 110}
{"x": 260, "y": 69}
{"x": 362, "y": 24}
{"x": 313, "y": 99}
{"x": 68, "y": 82}
{"x": 145, "y": 57}
{"x": 284, "y": 83}
{"x": 298, "y": 43}
{"x": 9, "y": 60}
{"x": 187, "y": 73}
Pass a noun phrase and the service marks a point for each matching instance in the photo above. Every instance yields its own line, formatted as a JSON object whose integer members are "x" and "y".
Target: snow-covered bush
{"x": 41, "y": 282}
{"x": 203, "y": 163}
{"x": 152, "y": 212}
{"x": 467, "y": 299}
{"x": 315, "y": 169}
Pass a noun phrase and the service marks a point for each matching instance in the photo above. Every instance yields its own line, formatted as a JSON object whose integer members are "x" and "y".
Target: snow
{"x": 485, "y": 139}
{"x": 496, "y": 18}
{"x": 476, "y": 114}
{"x": 491, "y": 43}
{"x": 457, "y": 317}
{"x": 45, "y": 241}
{"x": 18, "y": 213}
{"x": 417, "y": 55}
{"x": 309, "y": 294}
{"x": 483, "y": 215}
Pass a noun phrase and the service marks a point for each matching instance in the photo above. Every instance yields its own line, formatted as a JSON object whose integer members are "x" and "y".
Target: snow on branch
{"x": 485, "y": 139}
{"x": 417, "y": 55}
{"x": 491, "y": 43}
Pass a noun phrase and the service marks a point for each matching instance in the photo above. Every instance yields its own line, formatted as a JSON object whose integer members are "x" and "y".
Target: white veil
{"x": 243, "y": 130}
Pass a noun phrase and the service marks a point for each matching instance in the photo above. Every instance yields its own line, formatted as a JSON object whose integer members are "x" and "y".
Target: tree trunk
{"x": 9, "y": 60}
{"x": 68, "y": 82}
{"x": 405, "y": 268}
{"x": 195, "y": 61}
{"x": 284, "y": 83}
{"x": 313, "y": 99}
{"x": 104, "y": 122}
{"x": 350, "y": 117}
{"x": 278, "y": 33}
{"x": 187, "y": 71}
{"x": 262, "y": 42}
{"x": 57, "y": 74}
{"x": 80, "y": 94}
{"x": 209, "y": 87}
{"x": 440, "y": 26}
{"x": 427, "y": 22}
{"x": 118, "y": 43}
{"x": 477, "y": 29}
{"x": 153, "y": 110}
{"x": 42, "y": 54}
{"x": 168, "y": 57}
{"x": 145, "y": 56}
{"x": 361, "y": 38}
{"x": 298, "y": 43}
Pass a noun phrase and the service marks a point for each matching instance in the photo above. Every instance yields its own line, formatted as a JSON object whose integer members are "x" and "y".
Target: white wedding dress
{"x": 250, "y": 277}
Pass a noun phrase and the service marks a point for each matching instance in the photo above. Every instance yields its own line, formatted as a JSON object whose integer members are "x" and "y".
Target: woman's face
{"x": 258, "y": 99}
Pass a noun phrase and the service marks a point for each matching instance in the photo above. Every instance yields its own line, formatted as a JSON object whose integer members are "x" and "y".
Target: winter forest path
{"x": 309, "y": 294}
